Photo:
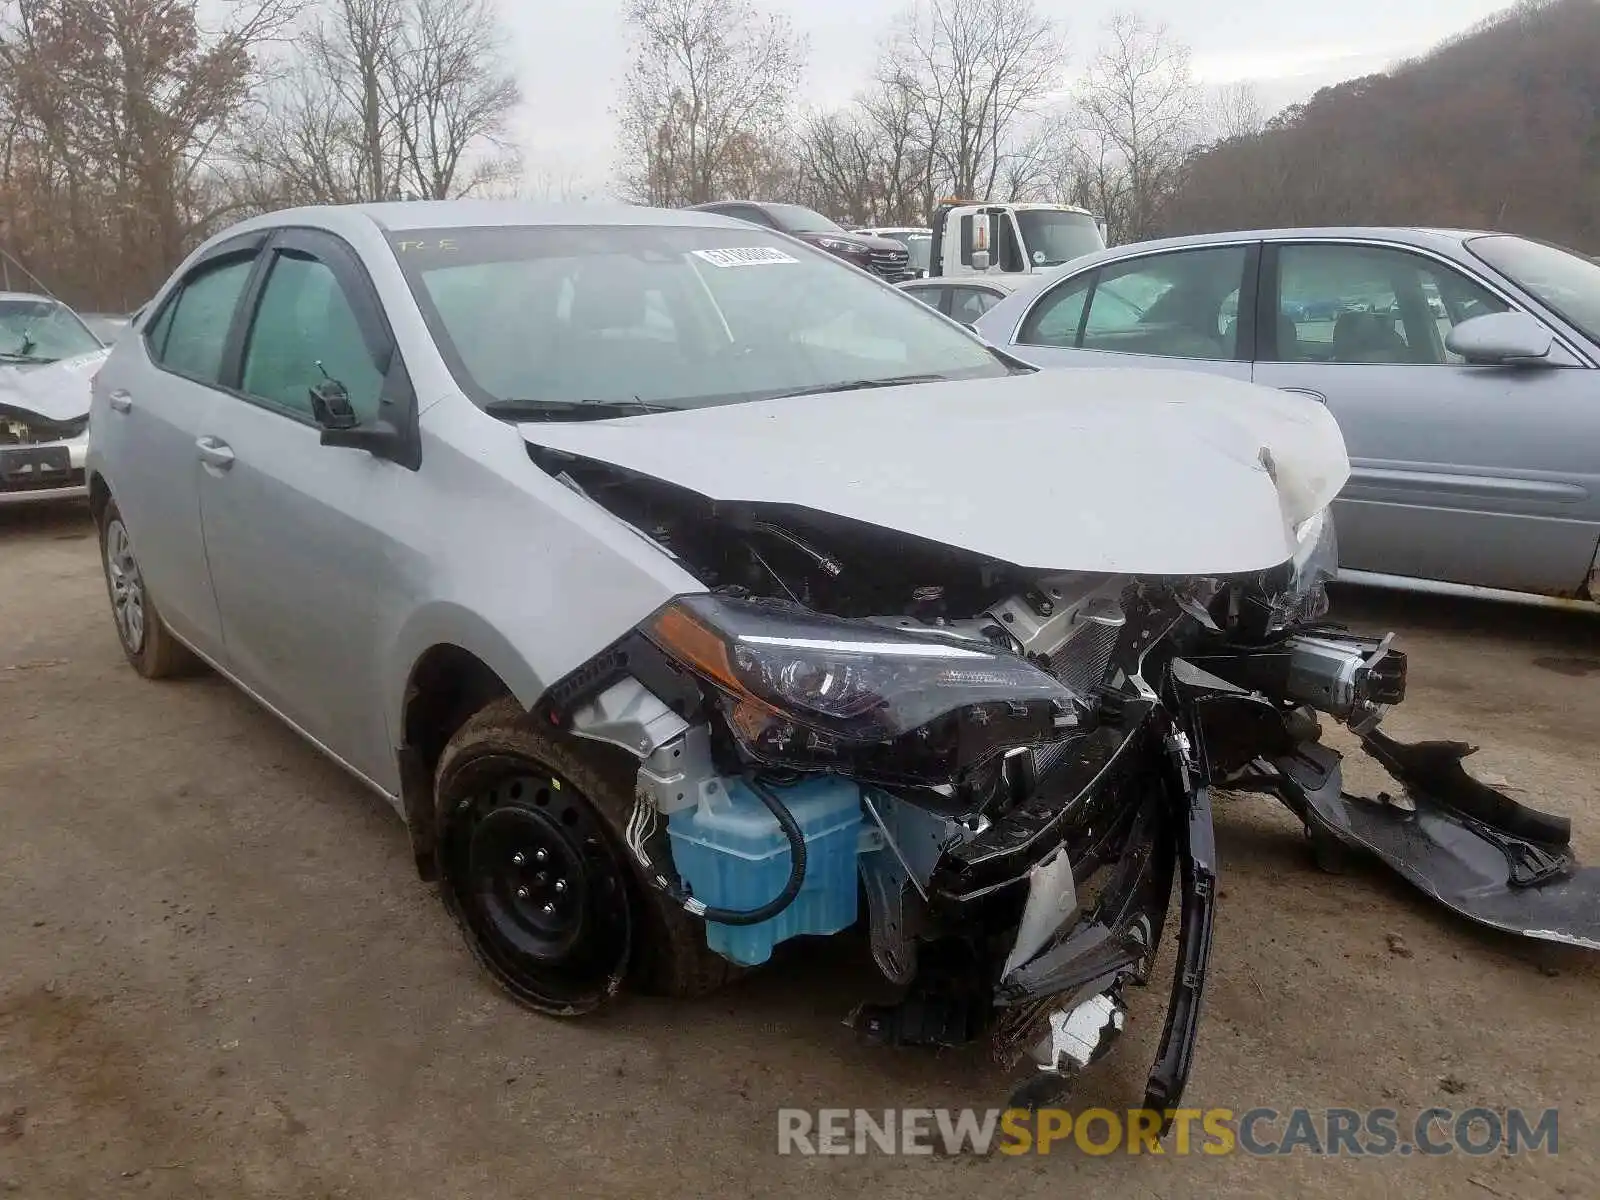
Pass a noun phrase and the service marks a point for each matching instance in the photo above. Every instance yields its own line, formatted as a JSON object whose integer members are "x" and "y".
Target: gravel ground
{"x": 219, "y": 975}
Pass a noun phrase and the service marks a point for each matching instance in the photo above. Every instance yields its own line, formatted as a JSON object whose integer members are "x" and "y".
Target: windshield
{"x": 39, "y": 330}
{"x": 1566, "y": 282}
{"x": 797, "y": 218}
{"x": 1054, "y": 237}
{"x": 670, "y": 316}
{"x": 918, "y": 245}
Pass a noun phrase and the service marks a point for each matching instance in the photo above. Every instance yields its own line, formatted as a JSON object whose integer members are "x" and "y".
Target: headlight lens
{"x": 814, "y": 690}
{"x": 841, "y": 247}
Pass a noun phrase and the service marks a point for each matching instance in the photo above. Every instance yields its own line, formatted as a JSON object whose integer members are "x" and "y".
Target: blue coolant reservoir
{"x": 731, "y": 853}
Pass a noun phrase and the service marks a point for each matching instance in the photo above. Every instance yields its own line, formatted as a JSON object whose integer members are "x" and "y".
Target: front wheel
{"x": 533, "y": 869}
{"x": 146, "y": 642}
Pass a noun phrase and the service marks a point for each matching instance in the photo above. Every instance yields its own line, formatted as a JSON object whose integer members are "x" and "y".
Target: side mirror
{"x": 330, "y": 405}
{"x": 1502, "y": 338}
{"x": 980, "y": 260}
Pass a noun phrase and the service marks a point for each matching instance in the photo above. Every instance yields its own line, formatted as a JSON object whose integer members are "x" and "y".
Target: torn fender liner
{"x": 1484, "y": 872}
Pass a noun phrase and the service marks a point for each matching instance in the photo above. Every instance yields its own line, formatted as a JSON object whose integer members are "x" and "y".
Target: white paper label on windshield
{"x": 744, "y": 256}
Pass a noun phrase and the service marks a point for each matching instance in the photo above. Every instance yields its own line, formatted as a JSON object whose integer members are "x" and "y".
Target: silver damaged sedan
{"x": 687, "y": 591}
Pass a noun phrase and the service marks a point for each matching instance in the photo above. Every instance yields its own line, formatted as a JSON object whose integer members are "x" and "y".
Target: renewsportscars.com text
{"x": 1261, "y": 1132}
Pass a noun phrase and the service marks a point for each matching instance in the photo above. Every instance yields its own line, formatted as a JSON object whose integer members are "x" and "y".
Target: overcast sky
{"x": 570, "y": 56}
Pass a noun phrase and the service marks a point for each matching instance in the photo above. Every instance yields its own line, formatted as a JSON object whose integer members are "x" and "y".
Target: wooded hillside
{"x": 1498, "y": 128}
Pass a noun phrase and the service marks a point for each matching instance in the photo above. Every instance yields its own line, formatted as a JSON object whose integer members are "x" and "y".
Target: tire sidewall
{"x": 500, "y": 748}
{"x": 138, "y": 659}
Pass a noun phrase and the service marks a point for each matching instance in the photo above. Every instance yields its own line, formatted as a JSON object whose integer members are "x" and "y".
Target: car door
{"x": 309, "y": 581}
{"x": 1174, "y": 308}
{"x": 149, "y": 405}
{"x": 1470, "y": 474}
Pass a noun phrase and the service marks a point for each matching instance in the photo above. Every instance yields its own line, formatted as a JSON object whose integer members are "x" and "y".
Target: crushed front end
{"x": 1014, "y": 770}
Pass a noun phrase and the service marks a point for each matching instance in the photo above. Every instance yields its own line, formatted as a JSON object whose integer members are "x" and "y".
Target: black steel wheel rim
{"x": 539, "y": 883}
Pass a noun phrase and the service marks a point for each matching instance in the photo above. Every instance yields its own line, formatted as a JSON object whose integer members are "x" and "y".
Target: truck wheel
{"x": 534, "y": 870}
{"x": 150, "y": 648}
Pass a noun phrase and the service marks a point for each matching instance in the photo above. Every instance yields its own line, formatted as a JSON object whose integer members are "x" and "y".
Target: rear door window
{"x": 1178, "y": 305}
{"x": 1183, "y": 304}
{"x": 192, "y": 331}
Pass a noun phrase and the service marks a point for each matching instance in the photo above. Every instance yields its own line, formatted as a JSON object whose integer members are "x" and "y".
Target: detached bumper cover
{"x": 1472, "y": 848}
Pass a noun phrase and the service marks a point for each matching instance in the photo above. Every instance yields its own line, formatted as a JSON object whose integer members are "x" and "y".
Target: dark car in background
{"x": 884, "y": 257}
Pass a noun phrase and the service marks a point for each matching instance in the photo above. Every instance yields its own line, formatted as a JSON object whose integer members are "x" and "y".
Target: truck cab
{"x": 970, "y": 238}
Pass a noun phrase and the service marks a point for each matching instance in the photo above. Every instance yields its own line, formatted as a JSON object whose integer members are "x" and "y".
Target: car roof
{"x": 402, "y": 216}
{"x": 29, "y": 296}
{"x": 1438, "y": 239}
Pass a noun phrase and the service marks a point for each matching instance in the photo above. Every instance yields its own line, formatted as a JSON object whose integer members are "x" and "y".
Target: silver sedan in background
{"x": 1461, "y": 367}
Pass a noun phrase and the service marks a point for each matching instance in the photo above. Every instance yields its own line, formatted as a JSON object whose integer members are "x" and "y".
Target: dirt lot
{"x": 219, "y": 975}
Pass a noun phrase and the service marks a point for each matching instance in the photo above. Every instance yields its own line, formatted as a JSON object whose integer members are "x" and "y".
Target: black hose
{"x": 791, "y": 889}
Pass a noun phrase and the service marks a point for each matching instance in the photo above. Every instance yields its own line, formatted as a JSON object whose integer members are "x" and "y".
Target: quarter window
{"x": 188, "y": 337}
{"x": 305, "y": 331}
{"x": 1370, "y": 304}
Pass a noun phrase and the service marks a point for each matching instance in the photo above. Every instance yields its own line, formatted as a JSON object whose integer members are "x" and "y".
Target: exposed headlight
{"x": 809, "y": 690}
{"x": 1314, "y": 565}
{"x": 841, "y": 247}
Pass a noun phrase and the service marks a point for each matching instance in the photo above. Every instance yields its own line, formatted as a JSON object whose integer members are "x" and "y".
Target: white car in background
{"x": 968, "y": 298}
{"x": 47, "y": 357}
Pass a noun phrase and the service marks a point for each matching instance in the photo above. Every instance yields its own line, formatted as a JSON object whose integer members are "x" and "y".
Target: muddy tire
{"x": 146, "y": 642}
{"x": 534, "y": 870}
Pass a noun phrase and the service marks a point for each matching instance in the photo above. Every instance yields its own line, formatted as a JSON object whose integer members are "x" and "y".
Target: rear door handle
{"x": 215, "y": 452}
{"x": 120, "y": 400}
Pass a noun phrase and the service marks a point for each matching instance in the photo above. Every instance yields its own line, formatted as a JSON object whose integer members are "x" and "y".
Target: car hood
{"x": 1124, "y": 471}
{"x": 57, "y": 391}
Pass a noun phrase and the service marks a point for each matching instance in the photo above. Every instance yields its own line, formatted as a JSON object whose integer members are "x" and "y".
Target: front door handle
{"x": 215, "y": 452}
{"x": 120, "y": 400}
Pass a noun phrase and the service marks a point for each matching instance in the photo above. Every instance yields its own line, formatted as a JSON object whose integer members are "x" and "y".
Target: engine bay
{"x": 1005, "y": 773}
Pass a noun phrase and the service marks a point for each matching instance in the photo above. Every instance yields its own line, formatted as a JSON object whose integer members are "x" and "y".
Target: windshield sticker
{"x": 743, "y": 256}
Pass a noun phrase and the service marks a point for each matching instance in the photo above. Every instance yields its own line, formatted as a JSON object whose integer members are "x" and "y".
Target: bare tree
{"x": 1139, "y": 120}
{"x": 1234, "y": 111}
{"x": 707, "y": 100}
{"x": 115, "y": 113}
{"x": 390, "y": 98}
{"x": 868, "y": 163}
{"x": 976, "y": 74}
{"x": 451, "y": 96}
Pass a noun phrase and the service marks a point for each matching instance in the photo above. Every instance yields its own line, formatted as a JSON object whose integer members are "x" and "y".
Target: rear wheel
{"x": 149, "y": 646}
{"x": 533, "y": 869}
